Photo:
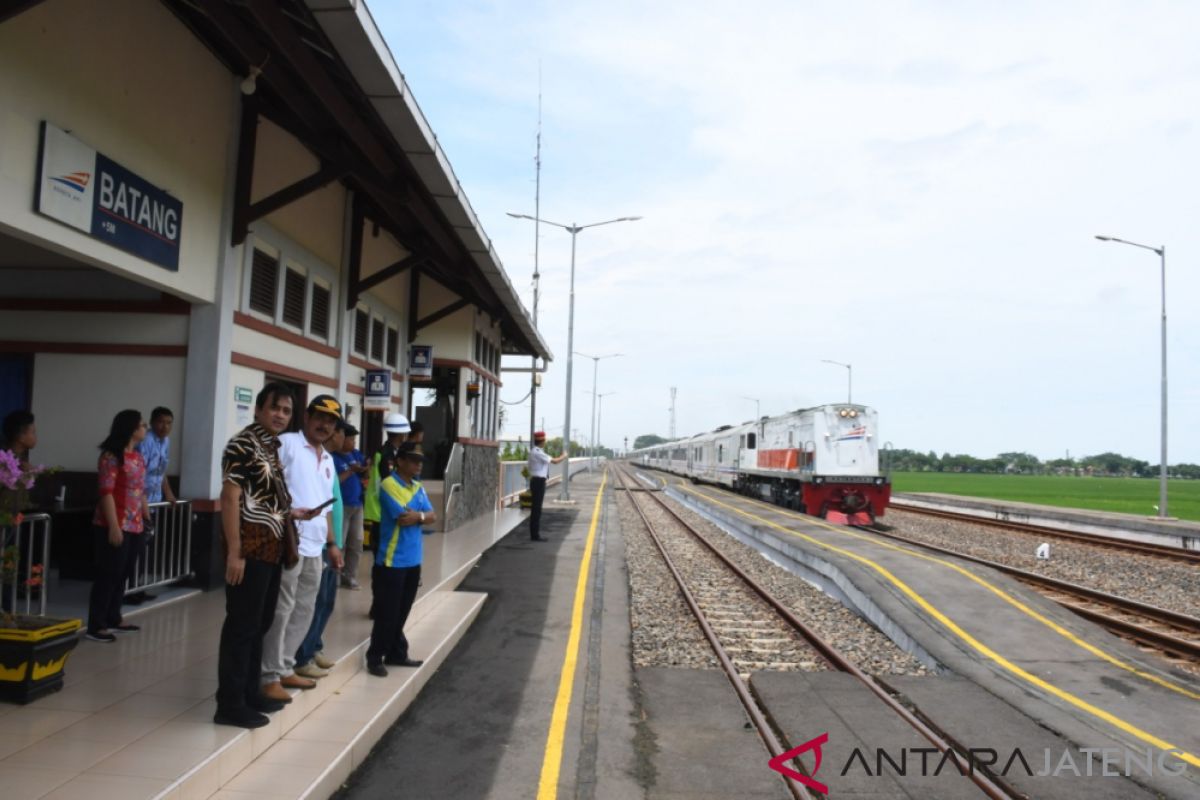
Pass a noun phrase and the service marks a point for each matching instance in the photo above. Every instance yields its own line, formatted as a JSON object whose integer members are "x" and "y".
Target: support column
{"x": 208, "y": 391}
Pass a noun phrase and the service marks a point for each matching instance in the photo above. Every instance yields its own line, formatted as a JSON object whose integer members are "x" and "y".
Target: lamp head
{"x": 250, "y": 85}
{"x": 1104, "y": 238}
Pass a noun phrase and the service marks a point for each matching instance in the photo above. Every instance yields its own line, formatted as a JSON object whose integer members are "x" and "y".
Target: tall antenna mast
{"x": 672, "y": 412}
{"x": 537, "y": 213}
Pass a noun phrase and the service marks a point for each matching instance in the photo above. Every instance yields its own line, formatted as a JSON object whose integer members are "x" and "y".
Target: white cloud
{"x": 912, "y": 188}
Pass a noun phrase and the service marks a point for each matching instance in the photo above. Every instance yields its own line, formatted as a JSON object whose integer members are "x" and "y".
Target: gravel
{"x": 1148, "y": 579}
{"x": 666, "y": 634}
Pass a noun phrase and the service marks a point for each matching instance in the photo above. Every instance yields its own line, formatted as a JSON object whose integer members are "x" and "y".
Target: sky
{"x": 911, "y": 188}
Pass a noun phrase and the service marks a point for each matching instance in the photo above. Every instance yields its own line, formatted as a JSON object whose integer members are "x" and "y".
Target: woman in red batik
{"x": 119, "y": 523}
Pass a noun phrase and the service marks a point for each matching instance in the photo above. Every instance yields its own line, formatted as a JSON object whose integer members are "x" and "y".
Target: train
{"x": 823, "y": 461}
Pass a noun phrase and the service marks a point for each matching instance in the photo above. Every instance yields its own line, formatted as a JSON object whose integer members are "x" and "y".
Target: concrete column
{"x": 208, "y": 392}
{"x": 207, "y": 388}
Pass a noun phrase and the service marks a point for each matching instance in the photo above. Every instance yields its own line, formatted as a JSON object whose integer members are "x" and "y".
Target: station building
{"x": 199, "y": 197}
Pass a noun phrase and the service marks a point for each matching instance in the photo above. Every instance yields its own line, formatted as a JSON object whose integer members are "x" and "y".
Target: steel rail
{"x": 991, "y": 785}
{"x": 1163, "y": 641}
{"x": 765, "y": 731}
{"x": 1145, "y": 548}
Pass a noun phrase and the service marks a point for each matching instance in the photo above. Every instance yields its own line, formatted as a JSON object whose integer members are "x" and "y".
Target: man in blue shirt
{"x": 156, "y": 452}
{"x": 351, "y": 466}
{"x": 404, "y": 509}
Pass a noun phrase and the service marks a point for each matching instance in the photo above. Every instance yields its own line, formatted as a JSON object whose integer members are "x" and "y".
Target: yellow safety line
{"x": 958, "y": 631}
{"x": 552, "y": 762}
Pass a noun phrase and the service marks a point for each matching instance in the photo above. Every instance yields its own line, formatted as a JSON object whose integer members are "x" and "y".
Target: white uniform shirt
{"x": 310, "y": 480}
{"x": 539, "y": 463}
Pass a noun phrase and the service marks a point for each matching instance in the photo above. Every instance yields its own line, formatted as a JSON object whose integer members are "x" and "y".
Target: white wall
{"x": 129, "y": 80}
{"x": 75, "y": 398}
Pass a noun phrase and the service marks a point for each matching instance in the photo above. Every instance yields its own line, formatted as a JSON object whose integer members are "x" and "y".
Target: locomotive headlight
{"x": 854, "y": 413}
{"x": 842, "y": 412}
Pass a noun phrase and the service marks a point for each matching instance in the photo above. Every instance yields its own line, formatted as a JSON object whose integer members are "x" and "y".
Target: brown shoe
{"x": 296, "y": 682}
{"x": 274, "y": 691}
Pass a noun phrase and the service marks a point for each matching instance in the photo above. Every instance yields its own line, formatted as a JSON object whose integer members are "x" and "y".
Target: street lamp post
{"x": 849, "y": 378}
{"x": 1162, "y": 467}
{"x": 595, "y": 366}
{"x": 574, "y": 230}
{"x": 599, "y": 414}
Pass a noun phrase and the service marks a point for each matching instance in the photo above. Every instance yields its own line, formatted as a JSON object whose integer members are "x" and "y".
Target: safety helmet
{"x": 396, "y": 423}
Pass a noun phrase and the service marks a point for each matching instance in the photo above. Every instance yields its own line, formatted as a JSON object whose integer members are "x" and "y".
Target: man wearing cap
{"x": 539, "y": 471}
{"x": 309, "y": 472}
{"x": 397, "y": 571}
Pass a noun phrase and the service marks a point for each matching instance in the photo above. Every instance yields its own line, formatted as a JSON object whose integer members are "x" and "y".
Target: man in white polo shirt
{"x": 539, "y": 471}
{"x": 309, "y": 473}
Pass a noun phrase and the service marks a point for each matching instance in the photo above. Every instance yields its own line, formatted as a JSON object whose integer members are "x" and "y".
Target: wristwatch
{"x": 422, "y": 516}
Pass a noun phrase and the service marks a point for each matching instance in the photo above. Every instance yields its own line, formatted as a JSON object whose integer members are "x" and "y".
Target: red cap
{"x": 539, "y": 434}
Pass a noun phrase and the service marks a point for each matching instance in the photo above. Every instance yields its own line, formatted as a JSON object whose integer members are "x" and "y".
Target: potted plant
{"x": 33, "y": 649}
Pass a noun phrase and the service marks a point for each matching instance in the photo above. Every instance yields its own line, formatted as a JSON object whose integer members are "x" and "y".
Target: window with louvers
{"x": 264, "y": 278}
{"x": 319, "y": 312}
{"x": 362, "y": 327}
{"x": 377, "y": 340}
{"x": 393, "y": 344}
{"x": 293, "y": 298}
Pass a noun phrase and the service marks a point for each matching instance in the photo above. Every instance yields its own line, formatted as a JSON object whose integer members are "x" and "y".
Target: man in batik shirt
{"x": 255, "y": 506}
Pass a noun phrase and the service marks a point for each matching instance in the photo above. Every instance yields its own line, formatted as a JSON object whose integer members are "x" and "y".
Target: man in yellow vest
{"x": 405, "y": 508}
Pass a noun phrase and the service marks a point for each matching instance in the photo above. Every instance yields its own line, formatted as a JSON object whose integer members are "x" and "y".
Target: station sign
{"x": 87, "y": 190}
{"x": 379, "y": 389}
{"x": 420, "y": 361}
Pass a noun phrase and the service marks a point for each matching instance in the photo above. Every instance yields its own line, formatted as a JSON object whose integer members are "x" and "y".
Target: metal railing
{"x": 512, "y": 482}
{"x": 168, "y": 554}
{"x": 21, "y": 577}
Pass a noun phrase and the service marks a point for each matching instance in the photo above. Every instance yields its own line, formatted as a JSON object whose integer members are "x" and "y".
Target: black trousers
{"x": 112, "y": 565}
{"x": 395, "y": 590}
{"x": 137, "y": 551}
{"x": 537, "y": 487}
{"x": 249, "y": 612}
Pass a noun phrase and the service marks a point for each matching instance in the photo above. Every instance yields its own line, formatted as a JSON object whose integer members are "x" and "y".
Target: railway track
{"x": 1107, "y": 542}
{"x": 1175, "y": 635}
{"x": 719, "y": 626}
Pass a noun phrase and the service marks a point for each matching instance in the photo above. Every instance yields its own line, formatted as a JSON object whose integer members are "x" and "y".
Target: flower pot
{"x": 33, "y": 652}
{"x": 526, "y": 499}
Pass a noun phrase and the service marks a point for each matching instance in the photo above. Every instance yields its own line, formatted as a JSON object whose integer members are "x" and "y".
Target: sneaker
{"x": 324, "y": 663}
{"x": 241, "y": 718}
{"x": 311, "y": 670}
{"x": 126, "y": 627}
{"x": 100, "y": 636}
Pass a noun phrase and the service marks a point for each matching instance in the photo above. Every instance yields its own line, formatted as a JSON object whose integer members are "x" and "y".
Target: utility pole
{"x": 672, "y": 412}
{"x": 537, "y": 205}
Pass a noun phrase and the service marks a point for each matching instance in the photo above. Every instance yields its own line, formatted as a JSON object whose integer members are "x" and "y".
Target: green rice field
{"x": 1123, "y": 495}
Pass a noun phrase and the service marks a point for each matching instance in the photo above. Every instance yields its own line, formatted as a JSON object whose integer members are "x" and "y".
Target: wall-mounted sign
{"x": 89, "y": 191}
{"x": 379, "y": 389}
{"x": 243, "y": 394}
{"x": 420, "y": 361}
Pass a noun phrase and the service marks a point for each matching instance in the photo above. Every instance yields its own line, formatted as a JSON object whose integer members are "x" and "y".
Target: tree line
{"x": 1113, "y": 465}
{"x": 554, "y": 447}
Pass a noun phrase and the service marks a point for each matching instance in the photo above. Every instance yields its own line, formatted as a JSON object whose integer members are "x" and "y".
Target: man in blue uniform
{"x": 404, "y": 509}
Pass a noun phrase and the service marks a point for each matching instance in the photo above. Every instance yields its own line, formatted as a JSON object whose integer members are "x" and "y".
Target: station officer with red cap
{"x": 539, "y": 471}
